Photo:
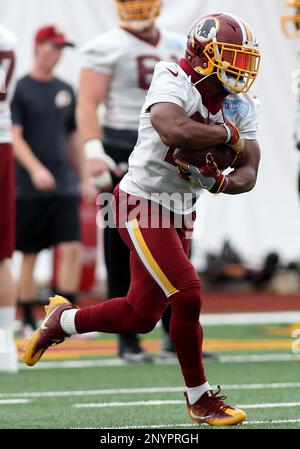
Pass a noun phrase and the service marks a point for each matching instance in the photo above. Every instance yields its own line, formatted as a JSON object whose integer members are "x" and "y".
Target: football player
{"x": 291, "y": 29}
{"x": 8, "y": 352}
{"x": 117, "y": 69}
{"x": 291, "y": 22}
{"x": 183, "y": 109}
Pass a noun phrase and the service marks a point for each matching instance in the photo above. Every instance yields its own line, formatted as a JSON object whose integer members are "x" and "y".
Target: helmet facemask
{"x": 236, "y": 66}
{"x": 139, "y": 15}
{"x": 291, "y": 23}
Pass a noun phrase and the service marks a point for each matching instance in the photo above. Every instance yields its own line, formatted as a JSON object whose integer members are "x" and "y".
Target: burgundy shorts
{"x": 7, "y": 201}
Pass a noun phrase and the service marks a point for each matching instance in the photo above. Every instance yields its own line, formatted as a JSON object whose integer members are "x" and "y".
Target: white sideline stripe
{"x": 211, "y": 319}
{"x": 14, "y": 401}
{"x": 112, "y": 391}
{"x": 117, "y": 362}
{"x": 167, "y": 426}
{"x": 177, "y": 402}
{"x": 128, "y": 404}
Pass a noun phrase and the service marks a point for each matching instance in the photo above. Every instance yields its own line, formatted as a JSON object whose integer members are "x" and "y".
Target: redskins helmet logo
{"x": 207, "y": 29}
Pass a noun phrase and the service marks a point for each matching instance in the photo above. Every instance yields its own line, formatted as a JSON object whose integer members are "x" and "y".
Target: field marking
{"x": 129, "y": 404}
{"x": 171, "y": 426}
{"x": 14, "y": 401}
{"x": 150, "y": 390}
{"x": 270, "y": 405}
{"x": 118, "y": 362}
{"x": 177, "y": 402}
{"x": 260, "y": 358}
{"x": 213, "y": 319}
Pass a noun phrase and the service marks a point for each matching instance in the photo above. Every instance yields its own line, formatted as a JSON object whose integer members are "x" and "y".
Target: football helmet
{"x": 139, "y": 15}
{"x": 224, "y": 44}
{"x": 291, "y": 23}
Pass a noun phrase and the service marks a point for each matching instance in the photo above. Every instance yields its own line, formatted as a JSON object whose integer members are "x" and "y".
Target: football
{"x": 222, "y": 154}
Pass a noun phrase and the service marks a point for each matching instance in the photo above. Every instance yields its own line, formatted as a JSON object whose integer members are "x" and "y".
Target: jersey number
{"x": 146, "y": 66}
{"x": 7, "y": 63}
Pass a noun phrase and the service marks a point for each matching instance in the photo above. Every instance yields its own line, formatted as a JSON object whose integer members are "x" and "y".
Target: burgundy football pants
{"x": 161, "y": 273}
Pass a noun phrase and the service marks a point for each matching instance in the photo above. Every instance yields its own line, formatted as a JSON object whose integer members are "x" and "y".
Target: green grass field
{"x": 150, "y": 396}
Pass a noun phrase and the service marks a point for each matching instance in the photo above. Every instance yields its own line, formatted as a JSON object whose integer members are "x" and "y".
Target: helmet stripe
{"x": 245, "y": 28}
{"x": 250, "y": 35}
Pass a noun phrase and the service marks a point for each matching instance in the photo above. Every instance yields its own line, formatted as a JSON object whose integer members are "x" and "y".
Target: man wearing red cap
{"x": 53, "y": 35}
{"x": 43, "y": 111}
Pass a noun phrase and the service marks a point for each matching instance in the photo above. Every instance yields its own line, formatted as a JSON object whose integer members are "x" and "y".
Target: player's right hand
{"x": 236, "y": 142}
{"x": 43, "y": 179}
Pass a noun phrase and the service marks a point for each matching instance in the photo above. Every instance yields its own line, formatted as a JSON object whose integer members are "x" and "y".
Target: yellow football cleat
{"x": 211, "y": 409}
{"x": 49, "y": 333}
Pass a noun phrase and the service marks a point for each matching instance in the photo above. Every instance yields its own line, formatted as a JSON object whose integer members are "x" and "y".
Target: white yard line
{"x": 14, "y": 401}
{"x": 259, "y": 358}
{"x": 154, "y": 390}
{"x": 177, "y": 402}
{"x": 212, "y": 319}
{"x": 117, "y": 362}
{"x": 196, "y": 426}
{"x": 270, "y": 405}
{"x": 128, "y": 404}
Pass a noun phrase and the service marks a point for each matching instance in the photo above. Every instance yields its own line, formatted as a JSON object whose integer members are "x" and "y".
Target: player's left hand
{"x": 208, "y": 177}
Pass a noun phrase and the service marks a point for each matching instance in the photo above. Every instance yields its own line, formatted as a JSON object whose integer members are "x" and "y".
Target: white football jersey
{"x": 7, "y": 60}
{"x": 131, "y": 61}
{"x": 152, "y": 173}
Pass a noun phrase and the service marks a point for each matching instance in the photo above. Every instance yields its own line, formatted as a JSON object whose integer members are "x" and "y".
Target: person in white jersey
{"x": 117, "y": 69}
{"x": 183, "y": 109}
{"x": 8, "y": 352}
{"x": 290, "y": 24}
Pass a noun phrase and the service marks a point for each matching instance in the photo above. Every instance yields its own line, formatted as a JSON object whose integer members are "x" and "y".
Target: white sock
{"x": 195, "y": 393}
{"x": 7, "y": 317}
{"x": 67, "y": 321}
{"x": 7, "y": 321}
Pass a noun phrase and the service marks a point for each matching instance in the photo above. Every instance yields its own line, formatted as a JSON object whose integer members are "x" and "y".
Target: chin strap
{"x": 202, "y": 79}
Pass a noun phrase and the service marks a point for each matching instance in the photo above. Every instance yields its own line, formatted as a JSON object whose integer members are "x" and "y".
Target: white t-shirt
{"x": 7, "y": 59}
{"x": 150, "y": 174}
{"x": 131, "y": 61}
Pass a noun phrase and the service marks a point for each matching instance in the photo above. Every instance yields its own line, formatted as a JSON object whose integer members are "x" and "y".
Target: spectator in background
{"x": 44, "y": 129}
{"x": 290, "y": 24}
{"x": 8, "y": 352}
{"x": 117, "y": 70}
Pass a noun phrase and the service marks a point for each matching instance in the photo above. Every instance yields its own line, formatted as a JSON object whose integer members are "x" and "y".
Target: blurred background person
{"x": 290, "y": 24}
{"x": 117, "y": 69}
{"x": 44, "y": 130}
{"x": 8, "y": 351}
